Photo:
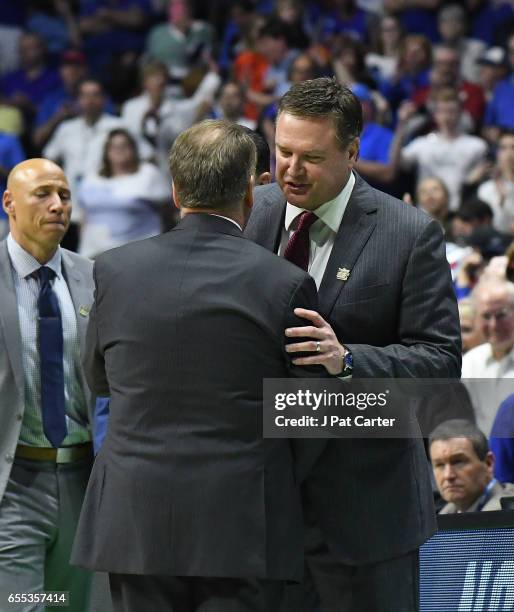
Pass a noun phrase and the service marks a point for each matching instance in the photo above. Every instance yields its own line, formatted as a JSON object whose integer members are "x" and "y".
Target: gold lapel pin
{"x": 84, "y": 311}
{"x": 343, "y": 274}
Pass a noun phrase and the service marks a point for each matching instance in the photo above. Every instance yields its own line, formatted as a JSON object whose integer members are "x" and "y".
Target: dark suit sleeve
{"x": 304, "y": 296}
{"x": 94, "y": 364}
{"x": 305, "y": 451}
{"x": 428, "y": 321}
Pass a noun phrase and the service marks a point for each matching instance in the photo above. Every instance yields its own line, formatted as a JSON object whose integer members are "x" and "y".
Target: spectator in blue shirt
{"x": 499, "y": 113}
{"x": 502, "y": 441}
{"x": 375, "y": 141}
{"x": 11, "y": 153}
{"x": 488, "y": 18}
{"x": 112, "y": 27}
{"x": 345, "y": 18}
{"x": 55, "y": 22}
{"x": 61, "y": 103}
{"x": 25, "y": 88}
{"x": 412, "y": 73}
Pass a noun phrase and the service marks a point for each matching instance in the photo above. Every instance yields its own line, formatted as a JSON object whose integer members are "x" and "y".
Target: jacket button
{"x": 9, "y": 458}
{"x": 19, "y": 417}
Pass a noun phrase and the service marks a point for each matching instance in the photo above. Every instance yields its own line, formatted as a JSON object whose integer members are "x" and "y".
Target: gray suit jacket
{"x": 79, "y": 275}
{"x": 397, "y": 313}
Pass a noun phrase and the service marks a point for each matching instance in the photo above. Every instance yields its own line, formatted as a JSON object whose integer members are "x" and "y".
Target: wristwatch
{"x": 347, "y": 362}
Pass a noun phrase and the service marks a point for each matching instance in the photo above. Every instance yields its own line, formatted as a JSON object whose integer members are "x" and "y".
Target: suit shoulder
{"x": 83, "y": 264}
{"x": 265, "y": 260}
{"x": 268, "y": 195}
{"x": 403, "y": 217}
{"x": 132, "y": 252}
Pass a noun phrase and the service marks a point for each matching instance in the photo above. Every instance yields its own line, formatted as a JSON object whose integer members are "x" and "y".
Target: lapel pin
{"x": 84, "y": 311}
{"x": 343, "y": 274}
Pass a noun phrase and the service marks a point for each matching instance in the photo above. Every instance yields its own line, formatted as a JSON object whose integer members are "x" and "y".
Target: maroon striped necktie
{"x": 297, "y": 249}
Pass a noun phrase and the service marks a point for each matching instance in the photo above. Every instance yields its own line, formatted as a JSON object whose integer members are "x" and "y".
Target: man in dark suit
{"x": 387, "y": 309}
{"x": 188, "y": 507}
{"x": 46, "y": 293}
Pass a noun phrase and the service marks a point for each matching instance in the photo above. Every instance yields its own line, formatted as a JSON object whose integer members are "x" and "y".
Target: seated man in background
{"x": 493, "y": 303}
{"x": 463, "y": 469}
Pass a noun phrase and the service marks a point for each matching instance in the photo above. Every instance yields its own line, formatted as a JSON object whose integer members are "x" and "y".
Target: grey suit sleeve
{"x": 428, "y": 321}
{"x": 94, "y": 364}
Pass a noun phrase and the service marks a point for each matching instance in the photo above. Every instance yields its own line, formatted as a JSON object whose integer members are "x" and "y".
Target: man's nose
{"x": 448, "y": 472}
{"x": 296, "y": 167}
{"x": 56, "y": 203}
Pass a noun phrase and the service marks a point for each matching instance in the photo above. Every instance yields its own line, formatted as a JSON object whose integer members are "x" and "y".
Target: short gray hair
{"x": 460, "y": 428}
{"x": 211, "y": 164}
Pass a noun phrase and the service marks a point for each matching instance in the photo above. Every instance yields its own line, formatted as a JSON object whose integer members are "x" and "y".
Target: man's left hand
{"x": 321, "y": 340}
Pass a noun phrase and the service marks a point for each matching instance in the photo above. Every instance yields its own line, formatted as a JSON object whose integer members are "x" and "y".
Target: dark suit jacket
{"x": 184, "y": 329}
{"x": 397, "y": 314}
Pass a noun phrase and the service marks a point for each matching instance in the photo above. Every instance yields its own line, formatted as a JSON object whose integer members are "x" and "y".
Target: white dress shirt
{"x": 488, "y": 381}
{"x": 26, "y": 284}
{"x": 322, "y": 233}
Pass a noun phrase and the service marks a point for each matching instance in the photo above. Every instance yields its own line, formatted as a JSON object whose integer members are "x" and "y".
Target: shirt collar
{"x": 228, "y": 219}
{"x": 331, "y": 212}
{"x": 25, "y": 264}
{"x": 491, "y": 360}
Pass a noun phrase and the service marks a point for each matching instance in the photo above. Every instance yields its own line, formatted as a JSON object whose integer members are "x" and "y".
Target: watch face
{"x": 348, "y": 361}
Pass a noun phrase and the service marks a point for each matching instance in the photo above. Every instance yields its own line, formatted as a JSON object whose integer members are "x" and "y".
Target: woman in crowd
{"x": 383, "y": 60}
{"x": 123, "y": 202}
{"x": 498, "y": 192}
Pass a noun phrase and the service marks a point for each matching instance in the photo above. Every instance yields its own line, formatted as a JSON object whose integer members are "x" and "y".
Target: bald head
{"x": 493, "y": 301}
{"x": 37, "y": 202}
{"x": 28, "y": 169}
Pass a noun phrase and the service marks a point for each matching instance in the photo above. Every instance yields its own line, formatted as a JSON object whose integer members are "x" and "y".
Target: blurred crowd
{"x": 104, "y": 87}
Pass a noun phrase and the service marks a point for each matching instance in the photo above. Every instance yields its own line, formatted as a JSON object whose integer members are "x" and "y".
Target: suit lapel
{"x": 358, "y": 223}
{"x": 267, "y": 230}
{"x": 80, "y": 296}
{"x": 9, "y": 317}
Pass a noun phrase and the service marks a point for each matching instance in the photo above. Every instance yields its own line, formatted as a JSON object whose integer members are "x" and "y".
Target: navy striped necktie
{"x": 51, "y": 359}
{"x": 297, "y": 249}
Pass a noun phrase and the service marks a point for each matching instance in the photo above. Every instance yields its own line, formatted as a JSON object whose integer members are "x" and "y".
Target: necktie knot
{"x": 45, "y": 274}
{"x": 306, "y": 219}
{"x": 297, "y": 249}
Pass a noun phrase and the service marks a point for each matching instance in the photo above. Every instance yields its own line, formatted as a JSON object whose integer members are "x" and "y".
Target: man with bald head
{"x": 488, "y": 369}
{"x": 45, "y": 438}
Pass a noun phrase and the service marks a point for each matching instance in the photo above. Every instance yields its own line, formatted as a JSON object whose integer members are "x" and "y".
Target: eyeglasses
{"x": 499, "y": 315}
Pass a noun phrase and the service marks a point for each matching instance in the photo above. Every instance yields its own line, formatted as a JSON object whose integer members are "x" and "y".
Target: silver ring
{"x": 318, "y": 347}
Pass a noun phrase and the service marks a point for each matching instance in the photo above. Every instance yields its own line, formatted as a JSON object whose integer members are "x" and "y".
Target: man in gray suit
{"x": 387, "y": 309}
{"x": 45, "y": 296}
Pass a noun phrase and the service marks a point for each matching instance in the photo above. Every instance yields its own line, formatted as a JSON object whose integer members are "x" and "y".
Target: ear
{"x": 353, "y": 150}
{"x": 176, "y": 199}
{"x": 489, "y": 461}
{"x": 248, "y": 199}
{"x": 7, "y": 203}
{"x": 264, "y": 178}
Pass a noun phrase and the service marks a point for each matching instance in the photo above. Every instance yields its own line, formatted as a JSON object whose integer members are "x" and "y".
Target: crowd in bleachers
{"x": 105, "y": 86}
